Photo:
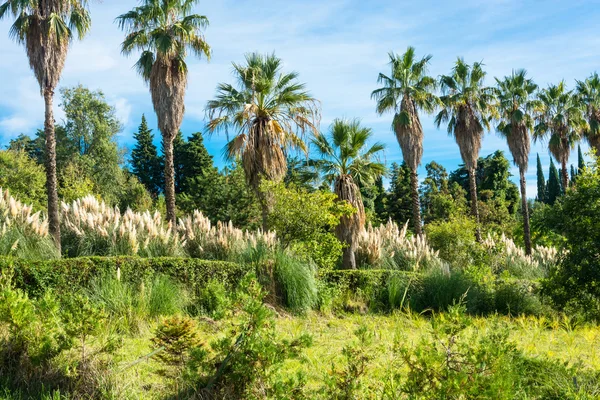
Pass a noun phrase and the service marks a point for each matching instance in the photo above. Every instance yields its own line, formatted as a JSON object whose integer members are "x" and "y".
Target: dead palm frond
{"x": 270, "y": 113}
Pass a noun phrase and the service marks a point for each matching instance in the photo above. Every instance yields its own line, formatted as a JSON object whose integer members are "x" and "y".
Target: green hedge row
{"x": 385, "y": 290}
{"x": 66, "y": 274}
{"x": 379, "y": 290}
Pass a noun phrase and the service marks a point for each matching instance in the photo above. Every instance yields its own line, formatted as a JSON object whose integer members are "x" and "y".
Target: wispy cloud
{"x": 337, "y": 46}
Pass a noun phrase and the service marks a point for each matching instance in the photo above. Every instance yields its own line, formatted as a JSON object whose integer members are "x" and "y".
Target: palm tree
{"x": 164, "y": 32}
{"x": 560, "y": 119}
{"x": 45, "y": 29}
{"x": 467, "y": 108}
{"x": 515, "y": 104}
{"x": 404, "y": 92}
{"x": 346, "y": 161}
{"x": 270, "y": 113}
{"x": 588, "y": 92}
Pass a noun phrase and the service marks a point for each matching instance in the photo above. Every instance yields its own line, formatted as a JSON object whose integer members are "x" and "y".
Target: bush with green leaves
{"x": 454, "y": 362}
{"x": 344, "y": 382}
{"x": 24, "y": 177}
{"x": 246, "y": 361}
{"x": 575, "y": 282}
{"x": 305, "y": 221}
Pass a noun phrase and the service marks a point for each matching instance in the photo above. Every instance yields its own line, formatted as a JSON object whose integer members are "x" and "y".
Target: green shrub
{"x": 124, "y": 303}
{"x": 455, "y": 240}
{"x": 439, "y": 291}
{"x": 63, "y": 275}
{"x": 213, "y": 299}
{"x": 245, "y": 362}
{"x": 517, "y": 297}
{"x": 454, "y": 362}
{"x": 343, "y": 382}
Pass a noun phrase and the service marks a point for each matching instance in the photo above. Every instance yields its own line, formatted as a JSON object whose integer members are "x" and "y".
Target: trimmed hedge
{"x": 379, "y": 290}
{"x": 68, "y": 274}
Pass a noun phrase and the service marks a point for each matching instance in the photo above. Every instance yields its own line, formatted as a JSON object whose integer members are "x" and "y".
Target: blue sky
{"x": 338, "y": 47}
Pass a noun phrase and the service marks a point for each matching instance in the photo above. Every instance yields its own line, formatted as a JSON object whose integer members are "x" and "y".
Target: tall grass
{"x": 388, "y": 246}
{"x": 130, "y": 306}
{"x": 505, "y": 255}
{"x": 23, "y": 233}
{"x": 222, "y": 241}
{"x": 90, "y": 227}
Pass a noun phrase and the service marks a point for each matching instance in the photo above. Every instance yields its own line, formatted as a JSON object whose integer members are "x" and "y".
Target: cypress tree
{"x": 196, "y": 164}
{"x": 145, "y": 162}
{"x": 573, "y": 176}
{"x": 541, "y": 183}
{"x": 580, "y": 160}
{"x": 554, "y": 185}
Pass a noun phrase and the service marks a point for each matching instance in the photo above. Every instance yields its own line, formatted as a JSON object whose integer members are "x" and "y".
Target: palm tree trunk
{"x": 170, "y": 180}
{"x": 416, "y": 204}
{"x": 51, "y": 181}
{"x": 349, "y": 260}
{"x": 525, "y": 211}
{"x": 564, "y": 175}
{"x": 474, "y": 206}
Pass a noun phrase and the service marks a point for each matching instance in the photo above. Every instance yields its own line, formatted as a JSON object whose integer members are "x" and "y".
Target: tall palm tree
{"x": 346, "y": 161}
{"x": 46, "y": 28}
{"x": 164, "y": 32}
{"x": 515, "y": 106}
{"x": 270, "y": 113}
{"x": 559, "y": 118}
{"x": 405, "y": 91}
{"x": 588, "y": 92}
{"x": 467, "y": 106}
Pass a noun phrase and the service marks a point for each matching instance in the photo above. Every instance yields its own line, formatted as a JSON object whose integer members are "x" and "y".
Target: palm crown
{"x": 559, "y": 117}
{"x": 46, "y": 28}
{"x": 270, "y": 113}
{"x": 164, "y": 30}
{"x": 347, "y": 154}
{"x": 515, "y": 106}
{"x": 588, "y": 92}
{"x": 408, "y": 78}
{"x": 407, "y": 89}
{"x": 467, "y": 107}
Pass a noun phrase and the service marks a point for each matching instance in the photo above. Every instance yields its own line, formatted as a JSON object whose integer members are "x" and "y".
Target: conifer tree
{"x": 573, "y": 175}
{"x": 196, "y": 165}
{"x": 580, "y": 160}
{"x": 145, "y": 162}
{"x": 541, "y": 183}
{"x": 554, "y": 185}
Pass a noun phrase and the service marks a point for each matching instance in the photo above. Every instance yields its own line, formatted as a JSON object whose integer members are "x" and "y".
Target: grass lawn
{"x": 537, "y": 337}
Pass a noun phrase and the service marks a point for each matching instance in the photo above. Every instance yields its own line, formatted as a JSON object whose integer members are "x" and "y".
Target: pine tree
{"x": 399, "y": 200}
{"x": 580, "y": 160}
{"x": 196, "y": 164}
{"x": 554, "y": 185}
{"x": 542, "y": 195}
{"x": 145, "y": 162}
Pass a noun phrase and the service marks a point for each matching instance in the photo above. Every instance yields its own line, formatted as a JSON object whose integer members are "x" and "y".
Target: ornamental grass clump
{"x": 222, "y": 241}
{"x": 388, "y": 246}
{"x": 23, "y": 233}
{"x": 90, "y": 227}
{"x": 507, "y": 256}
